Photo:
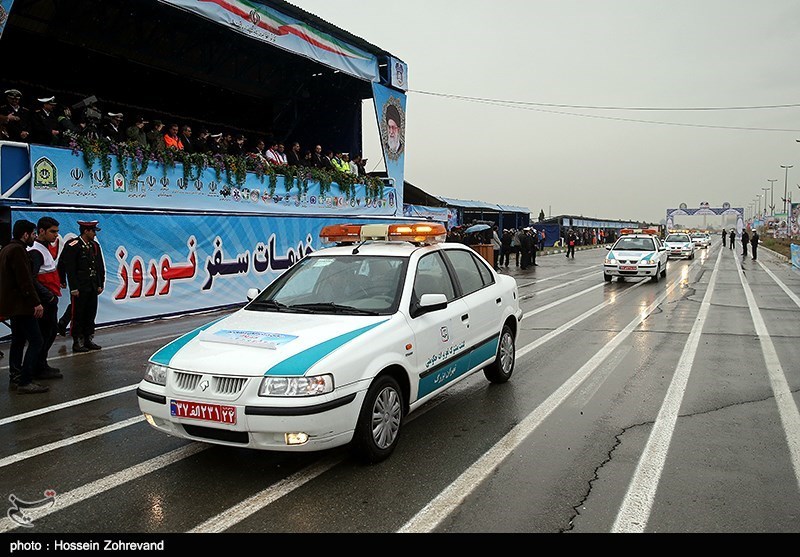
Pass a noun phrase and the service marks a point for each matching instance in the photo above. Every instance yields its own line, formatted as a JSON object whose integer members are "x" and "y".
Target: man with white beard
{"x": 394, "y": 142}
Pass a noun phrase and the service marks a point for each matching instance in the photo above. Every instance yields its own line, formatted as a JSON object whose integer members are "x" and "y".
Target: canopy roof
{"x": 149, "y": 57}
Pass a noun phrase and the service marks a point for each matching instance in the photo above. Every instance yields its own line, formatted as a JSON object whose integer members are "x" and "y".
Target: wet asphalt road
{"x": 634, "y": 407}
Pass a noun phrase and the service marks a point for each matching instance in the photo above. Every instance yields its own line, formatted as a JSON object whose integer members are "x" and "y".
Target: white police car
{"x": 701, "y": 239}
{"x": 636, "y": 254}
{"x": 341, "y": 347}
{"x": 679, "y": 244}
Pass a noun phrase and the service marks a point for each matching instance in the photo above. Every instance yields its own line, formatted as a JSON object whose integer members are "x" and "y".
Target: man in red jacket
{"x": 20, "y": 303}
{"x": 43, "y": 255}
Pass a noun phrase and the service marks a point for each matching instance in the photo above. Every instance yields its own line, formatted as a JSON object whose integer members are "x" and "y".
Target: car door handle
{"x": 465, "y": 317}
{"x": 498, "y": 301}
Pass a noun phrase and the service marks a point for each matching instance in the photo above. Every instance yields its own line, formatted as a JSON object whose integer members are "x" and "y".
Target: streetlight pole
{"x": 765, "y": 201}
{"x": 785, "y": 186}
{"x": 771, "y": 197}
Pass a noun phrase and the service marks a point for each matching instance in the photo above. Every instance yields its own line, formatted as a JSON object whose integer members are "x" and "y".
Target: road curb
{"x": 776, "y": 254}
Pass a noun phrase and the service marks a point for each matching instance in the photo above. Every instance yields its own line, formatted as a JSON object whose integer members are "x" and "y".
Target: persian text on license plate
{"x": 627, "y": 267}
{"x": 202, "y": 411}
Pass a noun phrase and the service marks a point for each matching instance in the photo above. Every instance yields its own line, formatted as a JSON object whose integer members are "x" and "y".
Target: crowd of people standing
{"x": 35, "y": 266}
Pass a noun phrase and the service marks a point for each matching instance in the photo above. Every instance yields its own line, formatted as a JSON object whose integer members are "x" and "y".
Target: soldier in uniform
{"x": 17, "y": 118}
{"x": 44, "y": 123}
{"x": 82, "y": 260}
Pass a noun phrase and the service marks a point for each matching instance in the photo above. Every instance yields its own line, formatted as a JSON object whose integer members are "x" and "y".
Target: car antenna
{"x": 355, "y": 249}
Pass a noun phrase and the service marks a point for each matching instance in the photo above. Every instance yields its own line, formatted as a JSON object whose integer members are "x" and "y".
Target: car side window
{"x": 432, "y": 278}
{"x": 472, "y": 274}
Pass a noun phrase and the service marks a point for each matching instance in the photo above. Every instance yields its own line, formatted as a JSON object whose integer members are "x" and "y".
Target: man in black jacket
{"x": 82, "y": 259}
{"x": 20, "y": 302}
{"x": 745, "y": 242}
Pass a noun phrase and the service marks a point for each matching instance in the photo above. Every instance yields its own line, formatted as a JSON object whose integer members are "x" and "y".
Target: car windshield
{"x": 635, "y": 244}
{"x": 700, "y": 236}
{"x": 677, "y": 238}
{"x": 340, "y": 284}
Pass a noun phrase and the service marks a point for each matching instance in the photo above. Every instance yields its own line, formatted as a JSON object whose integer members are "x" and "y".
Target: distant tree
{"x": 541, "y": 215}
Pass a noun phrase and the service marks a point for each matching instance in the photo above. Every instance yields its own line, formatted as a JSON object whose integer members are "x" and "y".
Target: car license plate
{"x": 202, "y": 411}
{"x": 627, "y": 267}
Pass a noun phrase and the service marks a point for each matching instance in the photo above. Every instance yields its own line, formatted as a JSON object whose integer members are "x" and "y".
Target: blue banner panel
{"x": 796, "y": 256}
{"x": 439, "y": 214}
{"x": 267, "y": 25}
{"x": 5, "y": 9}
{"x": 15, "y": 171}
{"x": 390, "y": 107}
{"x": 164, "y": 264}
{"x": 61, "y": 177}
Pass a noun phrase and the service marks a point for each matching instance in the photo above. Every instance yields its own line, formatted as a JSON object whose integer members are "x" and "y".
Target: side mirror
{"x": 608, "y": 248}
{"x": 428, "y": 303}
{"x": 251, "y": 294}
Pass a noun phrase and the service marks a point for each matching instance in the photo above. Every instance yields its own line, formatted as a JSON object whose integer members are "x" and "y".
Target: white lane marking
{"x": 790, "y": 416}
{"x": 562, "y": 300}
{"x": 427, "y": 519}
{"x": 77, "y": 495}
{"x": 77, "y": 401}
{"x": 637, "y": 504}
{"x": 36, "y": 451}
{"x": 537, "y": 281}
{"x": 107, "y": 348}
{"x": 562, "y": 285}
{"x": 571, "y": 323}
{"x": 251, "y": 505}
{"x": 794, "y": 297}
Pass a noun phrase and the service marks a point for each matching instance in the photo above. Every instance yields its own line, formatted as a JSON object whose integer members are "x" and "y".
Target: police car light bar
{"x": 638, "y": 231}
{"x": 417, "y": 233}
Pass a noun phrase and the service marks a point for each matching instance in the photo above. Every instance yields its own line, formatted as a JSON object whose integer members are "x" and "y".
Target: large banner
{"x": 61, "y": 177}
{"x": 5, "y": 9}
{"x": 267, "y": 25}
{"x": 424, "y": 212}
{"x": 795, "y": 220}
{"x": 159, "y": 264}
{"x": 390, "y": 107}
{"x": 796, "y": 256}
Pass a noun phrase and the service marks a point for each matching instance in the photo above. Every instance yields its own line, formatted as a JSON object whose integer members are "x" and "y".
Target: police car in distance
{"x": 341, "y": 347}
{"x": 679, "y": 244}
{"x": 636, "y": 253}
{"x": 701, "y": 239}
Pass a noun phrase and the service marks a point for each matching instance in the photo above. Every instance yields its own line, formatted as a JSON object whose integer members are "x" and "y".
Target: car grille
{"x": 186, "y": 381}
{"x": 220, "y": 384}
{"x": 228, "y": 385}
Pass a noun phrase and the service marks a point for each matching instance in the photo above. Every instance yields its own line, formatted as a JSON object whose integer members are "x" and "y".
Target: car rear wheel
{"x": 500, "y": 370}
{"x": 378, "y": 427}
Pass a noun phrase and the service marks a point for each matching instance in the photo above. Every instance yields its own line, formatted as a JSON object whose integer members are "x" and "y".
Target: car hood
{"x": 630, "y": 255}
{"x": 255, "y": 343}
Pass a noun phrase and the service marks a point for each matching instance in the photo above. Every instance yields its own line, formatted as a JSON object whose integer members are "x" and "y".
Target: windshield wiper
{"x": 267, "y": 304}
{"x": 329, "y": 307}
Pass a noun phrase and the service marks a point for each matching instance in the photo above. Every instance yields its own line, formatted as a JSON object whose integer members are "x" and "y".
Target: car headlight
{"x": 156, "y": 373}
{"x": 611, "y": 261}
{"x": 647, "y": 263}
{"x": 296, "y": 386}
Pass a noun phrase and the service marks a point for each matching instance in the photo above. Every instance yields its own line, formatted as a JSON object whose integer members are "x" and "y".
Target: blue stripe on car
{"x": 300, "y": 363}
{"x": 450, "y": 370}
{"x": 164, "y": 355}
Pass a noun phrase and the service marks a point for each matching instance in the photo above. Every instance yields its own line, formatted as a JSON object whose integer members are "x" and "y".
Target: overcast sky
{"x": 600, "y": 53}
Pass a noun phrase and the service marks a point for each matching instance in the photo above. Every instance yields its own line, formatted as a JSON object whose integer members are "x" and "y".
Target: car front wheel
{"x": 378, "y": 427}
{"x": 655, "y": 277}
{"x": 607, "y": 278}
{"x": 499, "y": 371}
